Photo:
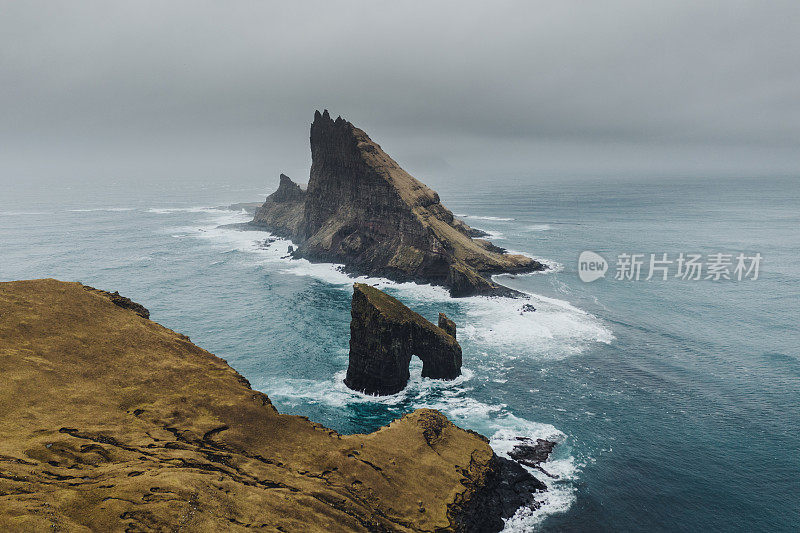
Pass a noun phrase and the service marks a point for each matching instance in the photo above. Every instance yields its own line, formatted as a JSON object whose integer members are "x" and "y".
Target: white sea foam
{"x": 477, "y": 217}
{"x": 558, "y": 498}
{"x": 452, "y": 398}
{"x": 335, "y": 393}
{"x": 497, "y": 326}
{"x": 198, "y": 209}
{"x": 538, "y": 227}
{"x": 555, "y": 330}
{"x": 96, "y": 209}
{"x": 494, "y": 235}
{"x": 560, "y": 494}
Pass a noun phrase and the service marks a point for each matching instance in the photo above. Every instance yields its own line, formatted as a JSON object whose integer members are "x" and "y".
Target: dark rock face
{"x": 121, "y": 301}
{"x": 447, "y": 325}
{"x": 533, "y": 454}
{"x": 283, "y": 210}
{"x": 507, "y": 488}
{"x": 287, "y": 190}
{"x": 384, "y": 334}
{"x": 248, "y": 207}
{"x": 363, "y": 210}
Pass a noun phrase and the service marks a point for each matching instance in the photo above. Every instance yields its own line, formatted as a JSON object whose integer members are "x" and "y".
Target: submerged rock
{"x": 248, "y": 207}
{"x": 361, "y": 209}
{"x": 114, "y": 423}
{"x": 384, "y": 334}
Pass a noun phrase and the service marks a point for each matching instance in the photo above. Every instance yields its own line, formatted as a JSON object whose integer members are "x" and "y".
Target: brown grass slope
{"x": 112, "y": 422}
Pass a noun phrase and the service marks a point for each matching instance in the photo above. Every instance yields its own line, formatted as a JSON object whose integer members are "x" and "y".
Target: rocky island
{"x": 385, "y": 334}
{"x": 364, "y": 211}
{"x": 112, "y": 422}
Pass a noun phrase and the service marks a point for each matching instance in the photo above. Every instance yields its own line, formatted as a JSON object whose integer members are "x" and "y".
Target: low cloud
{"x": 151, "y": 90}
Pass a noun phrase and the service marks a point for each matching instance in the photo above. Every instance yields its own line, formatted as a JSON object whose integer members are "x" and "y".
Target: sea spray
{"x": 500, "y": 326}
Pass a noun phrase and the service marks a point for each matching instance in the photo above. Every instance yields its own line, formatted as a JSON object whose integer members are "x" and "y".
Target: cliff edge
{"x": 112, "y": 422}
{"x": 361, "y": 209}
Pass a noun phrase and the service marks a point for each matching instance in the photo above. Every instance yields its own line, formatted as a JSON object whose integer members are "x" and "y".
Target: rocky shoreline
{"x": 113, "y": 422}
{"x": 361, "y": 209}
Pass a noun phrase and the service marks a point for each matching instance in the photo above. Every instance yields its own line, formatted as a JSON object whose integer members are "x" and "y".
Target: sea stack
{"x": 364, "y": 211}
{"x": 384, "y": 334}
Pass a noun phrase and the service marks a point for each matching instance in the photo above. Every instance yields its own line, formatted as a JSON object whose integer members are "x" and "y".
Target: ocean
{"x": 676, "y": 403}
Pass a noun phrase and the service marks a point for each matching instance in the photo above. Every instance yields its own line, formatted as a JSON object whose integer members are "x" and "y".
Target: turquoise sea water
{"x": 676, "y": 403}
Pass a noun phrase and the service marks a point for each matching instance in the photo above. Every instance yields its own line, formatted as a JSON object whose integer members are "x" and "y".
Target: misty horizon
{"x": 101, "y": 92}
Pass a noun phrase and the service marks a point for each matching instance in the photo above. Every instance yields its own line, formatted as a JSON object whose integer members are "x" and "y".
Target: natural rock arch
{"x": 385, "y": 334}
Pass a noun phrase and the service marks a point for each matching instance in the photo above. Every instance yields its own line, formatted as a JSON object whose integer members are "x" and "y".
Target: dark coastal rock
{"x": 530, "y": 453}
{"x": 248, "y": 207}
{"x": 364, "y": 211}
{"x": 288, "y": 191}
{"x": 507, "y": 488}
{"x": 283, "y": 210}
{"x": 447, "y": 325}
{"x": 464, "y": 281}
{"x": 528, "y": 308}
{"x": 533, "y": 454}
{"x": 384, "y": 334}
{"x": 115, "y": 423}
{"x": 121, "y": 301}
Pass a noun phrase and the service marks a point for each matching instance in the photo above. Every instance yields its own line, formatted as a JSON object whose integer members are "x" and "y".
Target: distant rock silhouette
{"x": 361, "y": 209}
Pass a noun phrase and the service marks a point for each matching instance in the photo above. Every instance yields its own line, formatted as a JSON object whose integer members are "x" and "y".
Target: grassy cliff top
{"x": 396, "y": 311}
{"x": 113, "y": 422}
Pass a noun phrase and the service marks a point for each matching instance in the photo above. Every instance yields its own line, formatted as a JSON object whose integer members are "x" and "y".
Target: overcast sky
{"x": 159, "y": 90}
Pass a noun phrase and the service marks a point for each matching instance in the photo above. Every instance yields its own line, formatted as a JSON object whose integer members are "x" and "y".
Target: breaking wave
{"x": 454, "y": 400}
{"x": 477, "y": 217}
{"x": 98, "y": 209}
{"x": 171, "y": 210}
{"x": 506, "y": 328}
{"x": 21, "y": 213}
{"x": 538, "y": 227}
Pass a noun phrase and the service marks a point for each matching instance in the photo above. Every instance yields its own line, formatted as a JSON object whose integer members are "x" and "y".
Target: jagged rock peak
{"x": 384, "y": 334}
{"x": 326, "y": 117}
{"x": 282, "y": 212}
{"x": 287, "y": 190}
{"x": 363, "y": 210}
